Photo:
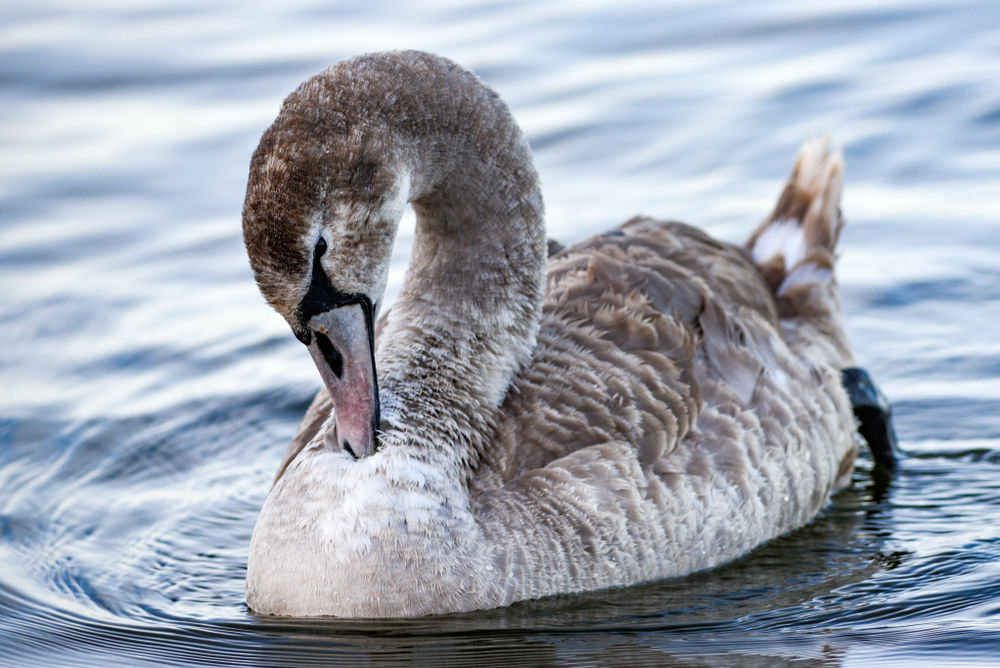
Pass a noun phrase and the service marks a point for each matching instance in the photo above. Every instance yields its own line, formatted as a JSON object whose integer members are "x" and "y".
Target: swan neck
{"x": 467, "y": 315}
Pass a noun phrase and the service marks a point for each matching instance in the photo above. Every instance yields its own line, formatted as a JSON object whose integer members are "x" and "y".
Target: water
{"x": 148, "y": 393}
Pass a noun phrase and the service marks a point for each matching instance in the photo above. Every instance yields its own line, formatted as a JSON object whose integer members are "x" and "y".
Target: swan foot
{"x": 874, "y": 414}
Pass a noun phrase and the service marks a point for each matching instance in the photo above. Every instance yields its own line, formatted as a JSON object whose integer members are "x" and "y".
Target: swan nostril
{"x": 349, "y": 449}
{"x": 330, "y": 354}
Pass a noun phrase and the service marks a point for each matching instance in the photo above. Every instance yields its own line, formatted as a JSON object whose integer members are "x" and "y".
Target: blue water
{"x": 147, "y": 392}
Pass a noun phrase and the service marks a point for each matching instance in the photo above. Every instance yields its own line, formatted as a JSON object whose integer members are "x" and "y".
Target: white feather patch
{"x": 782, "y": 237}
{"x": 805, "y": 273}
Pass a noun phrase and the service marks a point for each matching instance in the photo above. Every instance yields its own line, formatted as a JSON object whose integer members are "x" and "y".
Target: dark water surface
{"x": 148, "y": 393}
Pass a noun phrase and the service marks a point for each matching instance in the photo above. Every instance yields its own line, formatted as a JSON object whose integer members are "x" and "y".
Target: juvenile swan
{"x": 643, "y": 404}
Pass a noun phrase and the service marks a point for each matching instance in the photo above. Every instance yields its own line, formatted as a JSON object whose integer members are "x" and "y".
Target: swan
{"x": 643, "y": 404}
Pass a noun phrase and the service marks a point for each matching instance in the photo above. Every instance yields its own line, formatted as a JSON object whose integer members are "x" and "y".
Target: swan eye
{"x": 320, "y": 247}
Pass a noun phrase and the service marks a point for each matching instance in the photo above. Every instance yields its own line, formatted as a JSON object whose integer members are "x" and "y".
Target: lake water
{"x": 147, "y": 393}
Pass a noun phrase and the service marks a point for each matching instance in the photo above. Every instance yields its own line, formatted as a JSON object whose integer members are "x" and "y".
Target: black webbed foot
{"x": 874, "y": 415}
{"x": 554, "y": 247}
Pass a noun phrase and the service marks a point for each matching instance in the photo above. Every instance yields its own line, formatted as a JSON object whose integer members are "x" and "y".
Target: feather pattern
{"x": 642, "y": 404}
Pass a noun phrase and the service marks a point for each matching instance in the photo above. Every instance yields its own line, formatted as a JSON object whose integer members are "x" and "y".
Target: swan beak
{"x": 342, "y": 348}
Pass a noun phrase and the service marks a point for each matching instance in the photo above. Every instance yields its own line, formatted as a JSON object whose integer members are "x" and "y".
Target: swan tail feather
{"x": 796, "y": 244}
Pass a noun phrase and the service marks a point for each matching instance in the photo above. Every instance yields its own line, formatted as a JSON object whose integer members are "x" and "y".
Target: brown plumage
{"x": 642, "y": 404}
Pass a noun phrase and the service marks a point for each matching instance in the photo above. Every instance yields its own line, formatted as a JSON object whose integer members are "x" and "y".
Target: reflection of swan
{"x": 648, "y": 403}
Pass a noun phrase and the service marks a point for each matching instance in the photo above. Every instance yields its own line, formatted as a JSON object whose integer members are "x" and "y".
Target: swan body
{"x": 643, "y": 404}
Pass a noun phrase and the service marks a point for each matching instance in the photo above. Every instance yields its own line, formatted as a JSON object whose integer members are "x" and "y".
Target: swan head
{"x": 319, "y": 221}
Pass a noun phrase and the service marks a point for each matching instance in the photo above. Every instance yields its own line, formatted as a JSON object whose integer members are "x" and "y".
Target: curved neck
{"x": 467, "y": 315}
